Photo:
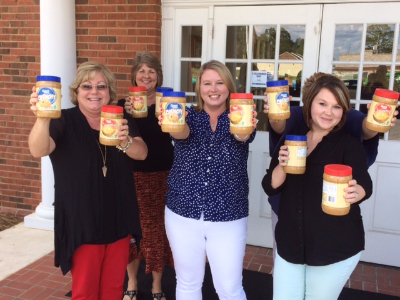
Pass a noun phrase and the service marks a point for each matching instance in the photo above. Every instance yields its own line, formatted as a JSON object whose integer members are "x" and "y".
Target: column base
{"x": 34, "y": 221}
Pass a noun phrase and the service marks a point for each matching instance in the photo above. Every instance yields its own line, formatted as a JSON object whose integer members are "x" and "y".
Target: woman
{"x": 207, "y": 200}
{"x": 317, "y": 252}
{"x": 95, "y": 214}
{"x": 151, "y": 181}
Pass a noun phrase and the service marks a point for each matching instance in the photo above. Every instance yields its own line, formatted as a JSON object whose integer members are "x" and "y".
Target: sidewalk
{"x": 27, "y": 268}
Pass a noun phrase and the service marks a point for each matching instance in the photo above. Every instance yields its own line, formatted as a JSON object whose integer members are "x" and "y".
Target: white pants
{"x": 223, "y": 243}
{"x": 303, "y": 282}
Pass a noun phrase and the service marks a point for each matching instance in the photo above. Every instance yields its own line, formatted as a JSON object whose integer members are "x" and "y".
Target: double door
{"x": 292, "y": 42}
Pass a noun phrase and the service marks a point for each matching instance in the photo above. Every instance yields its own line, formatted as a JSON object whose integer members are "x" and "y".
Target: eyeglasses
{"x": 89, "y": 87}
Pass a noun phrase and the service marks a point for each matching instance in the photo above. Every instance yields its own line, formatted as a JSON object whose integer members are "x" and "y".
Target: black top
{"x": 160, "y": 149}
{"x": 89, "y": 209}
{"x": 304, "y": 233}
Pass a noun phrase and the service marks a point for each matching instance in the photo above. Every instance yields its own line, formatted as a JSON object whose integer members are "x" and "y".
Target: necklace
{"x": 104, "y": 157}
{"x": 212, "y": 125}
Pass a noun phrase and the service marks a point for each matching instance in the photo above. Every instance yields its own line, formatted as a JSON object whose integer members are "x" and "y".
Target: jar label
{"x": 241, "y": 115}
{"x": 297, "y": 156}
{"x": 278, "y": 102}
{"x": 139, "y": 103}
{"x": 109, "y": 128}
{"x": 380, "y": 114}
{"x": 174, "y": 113}
{"x": 333, "y": 194}
{"x": 48, "y": 99}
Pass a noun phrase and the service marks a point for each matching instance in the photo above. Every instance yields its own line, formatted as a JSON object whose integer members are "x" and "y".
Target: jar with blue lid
{"x": 48, "y": 89}
{"x": 278, "y": 100}
{"x": 159, "y": 94}
{"x": 297, "y": 147}
{"x": 174, "y": 112}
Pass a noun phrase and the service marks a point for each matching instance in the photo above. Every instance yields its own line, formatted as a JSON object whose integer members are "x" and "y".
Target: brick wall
{"x": 107, "y": 31}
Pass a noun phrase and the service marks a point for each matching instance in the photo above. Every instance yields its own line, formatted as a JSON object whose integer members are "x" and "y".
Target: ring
{"x": 279, "y": 158}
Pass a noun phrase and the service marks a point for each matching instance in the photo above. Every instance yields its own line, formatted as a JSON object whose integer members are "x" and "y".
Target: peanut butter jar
{"x": 382, "y": 109}
{"x": 174, "y": 112}
{"x": 297, "y": 147}
{"x": 278, "y": 100}
{"x": 138, "y": 98}
{"x": 336, "y": 179}
{"x": 159, "y": 94}
{"x": 111, "y": 119}
{"x": 48, "y": 89}
{"x": 241, "y": 108}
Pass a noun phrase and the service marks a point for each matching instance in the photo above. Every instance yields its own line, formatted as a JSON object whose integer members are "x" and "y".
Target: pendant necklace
{"x": 104, "y": 157}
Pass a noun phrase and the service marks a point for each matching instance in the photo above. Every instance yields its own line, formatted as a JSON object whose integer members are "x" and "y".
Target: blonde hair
{"x": 314, "y": 84}
{"x": 87, "y": 71}
{"x": 226, "y": 77}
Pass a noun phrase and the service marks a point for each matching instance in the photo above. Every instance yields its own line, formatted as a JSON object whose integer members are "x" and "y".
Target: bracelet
{"x": 119, "y": 147}
{"x": 241, "y": 139}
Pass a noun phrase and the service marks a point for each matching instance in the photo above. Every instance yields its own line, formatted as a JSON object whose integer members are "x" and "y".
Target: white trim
{"x": 196, "y": 3}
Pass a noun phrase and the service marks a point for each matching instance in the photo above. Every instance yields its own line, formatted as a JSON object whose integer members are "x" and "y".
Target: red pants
{"x": 98, "y": 271}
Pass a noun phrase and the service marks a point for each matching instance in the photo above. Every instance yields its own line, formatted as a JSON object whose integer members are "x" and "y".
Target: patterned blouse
{"x": 209, "y": 174}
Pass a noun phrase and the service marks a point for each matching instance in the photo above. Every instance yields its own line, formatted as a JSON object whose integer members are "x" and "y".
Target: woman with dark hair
{"x": 151, "y": 181}
{"x": 207, "y": 200}
{"x": 95, "y": 207}
{"x": 317, "y": 252}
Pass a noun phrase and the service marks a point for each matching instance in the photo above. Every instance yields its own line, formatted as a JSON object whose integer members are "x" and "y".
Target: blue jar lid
{"x": 298, "y": 138}
{"x": 173, "y": 94}
{"x": 164, "y": 89}
{"x": 277, "y": 83}
{"x": 48, "y": 78}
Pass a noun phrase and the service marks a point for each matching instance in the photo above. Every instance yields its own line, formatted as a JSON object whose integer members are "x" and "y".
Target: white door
{"x": 280, "y": 40}
{"x": 357, "y": 42}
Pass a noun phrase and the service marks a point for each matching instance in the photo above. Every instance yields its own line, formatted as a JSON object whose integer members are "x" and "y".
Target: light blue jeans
{"x": 303, "y": 282}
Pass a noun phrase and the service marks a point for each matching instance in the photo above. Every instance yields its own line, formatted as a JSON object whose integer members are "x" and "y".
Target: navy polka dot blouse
{"x": 209, "y": 174}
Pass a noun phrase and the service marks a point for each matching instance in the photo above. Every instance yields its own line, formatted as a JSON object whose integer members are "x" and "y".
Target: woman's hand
{"x": 128, "y": 105}
{"x": 266, "y": 105}
{"x": 123, "y": 133}
{"x": 283, "y": 156}
{"x": 161, "y": 116}
{"x": 354, "y": 192}
{"x": 33, "y": 100}
{"x": 254, "y": 120}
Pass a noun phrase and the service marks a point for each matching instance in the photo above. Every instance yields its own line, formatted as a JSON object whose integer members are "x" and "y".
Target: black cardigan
{"x": 87, "y": 204}
{"x": 304, "y": 233}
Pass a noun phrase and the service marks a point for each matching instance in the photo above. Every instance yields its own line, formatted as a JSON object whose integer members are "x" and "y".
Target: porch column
{"x": 58, "y": 58}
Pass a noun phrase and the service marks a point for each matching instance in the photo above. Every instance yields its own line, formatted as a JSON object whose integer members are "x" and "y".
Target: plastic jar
{"x": 48, "y": 89}
{"x": 138, "y": 98}
{"x": 336, "y": 179}
{"x": 297, "y": 147}
{"x": 278, "y": 100}
{"x": 159, "y": 95}
{"x": 111, "y": 119}
{"x": 241, "y": 108}
{"x": 174, "y": 112}
{"x": 382, "y": 109}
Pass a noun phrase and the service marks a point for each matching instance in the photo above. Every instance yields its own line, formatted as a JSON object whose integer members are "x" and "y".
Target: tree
{"x": 379, "y": 38}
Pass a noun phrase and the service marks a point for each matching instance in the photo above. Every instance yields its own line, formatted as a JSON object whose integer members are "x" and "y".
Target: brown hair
{"x": 87, "y": 71}
{"x": 226, "y": 76}
{"x": 314, "y": 84}
{"x": 152, "y": 61}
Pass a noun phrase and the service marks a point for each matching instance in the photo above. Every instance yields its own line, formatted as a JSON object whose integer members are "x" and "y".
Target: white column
{"x": 58, "y": 58}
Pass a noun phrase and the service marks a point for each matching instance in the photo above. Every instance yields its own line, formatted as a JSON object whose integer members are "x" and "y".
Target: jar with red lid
{"x": 111, "y": 119}
{"x": 382, "y": 109}
{"x": 336, "y": 179}
{"x": 241, "y": 113}
{"x": 138, "y": 98}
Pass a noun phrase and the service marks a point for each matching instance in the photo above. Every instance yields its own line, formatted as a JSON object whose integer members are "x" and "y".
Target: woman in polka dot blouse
{"x": 207, "y": 201}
